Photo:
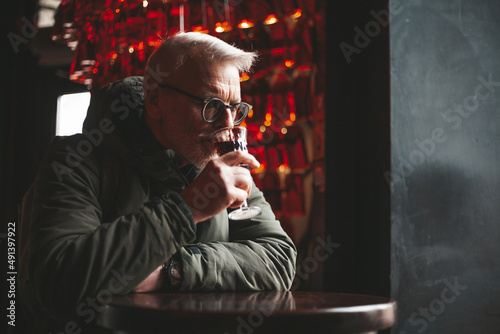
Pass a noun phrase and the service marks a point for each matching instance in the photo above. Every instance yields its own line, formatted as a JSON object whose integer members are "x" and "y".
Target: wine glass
{"x": 235, "y": 139}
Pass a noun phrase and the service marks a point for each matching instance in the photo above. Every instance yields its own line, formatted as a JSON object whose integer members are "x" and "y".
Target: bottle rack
{"x": 112, "y": 39}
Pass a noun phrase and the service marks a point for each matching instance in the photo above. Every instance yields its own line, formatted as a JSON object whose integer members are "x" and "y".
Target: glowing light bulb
{"x": 244, "y": 76}
{"x": 221, "y": 27}
{"x": 270, "y": 19}
{"x": 296, "y": 14}
{"x": 200, "y": 29}
{"x": 245, "y": 24}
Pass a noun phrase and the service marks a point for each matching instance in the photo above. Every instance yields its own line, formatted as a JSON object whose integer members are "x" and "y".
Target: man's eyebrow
{"x": 213, "y": 92}
{"x": 216, "y": 96}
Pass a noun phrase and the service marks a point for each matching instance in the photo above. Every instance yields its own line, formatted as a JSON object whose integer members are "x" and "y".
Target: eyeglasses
{"x": 214, "y": 107}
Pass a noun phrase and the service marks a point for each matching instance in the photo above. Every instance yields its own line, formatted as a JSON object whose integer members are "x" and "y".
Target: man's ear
{"x": 152, "y": 103}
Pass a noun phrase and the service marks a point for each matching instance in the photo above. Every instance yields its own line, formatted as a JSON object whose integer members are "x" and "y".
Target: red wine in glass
{"x": 224, "y": 147}
{"x": 235, "y": 139}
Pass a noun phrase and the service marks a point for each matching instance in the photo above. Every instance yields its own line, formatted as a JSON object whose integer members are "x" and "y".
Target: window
{"x": 46, "y": 12}
{"x": 71, "y": 112}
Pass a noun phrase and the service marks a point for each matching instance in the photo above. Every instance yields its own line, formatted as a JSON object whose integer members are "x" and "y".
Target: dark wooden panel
{"x": 358, "y": 146}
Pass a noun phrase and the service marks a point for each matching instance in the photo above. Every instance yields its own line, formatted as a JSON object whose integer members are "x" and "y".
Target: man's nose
{"x": 226, "y": 119}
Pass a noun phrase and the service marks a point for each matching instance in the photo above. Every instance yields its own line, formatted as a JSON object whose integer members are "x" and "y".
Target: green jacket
{"x": 105, "y": 211}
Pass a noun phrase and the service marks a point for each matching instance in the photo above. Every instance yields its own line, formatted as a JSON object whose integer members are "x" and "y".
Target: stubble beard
{"x": 202, "y": 153}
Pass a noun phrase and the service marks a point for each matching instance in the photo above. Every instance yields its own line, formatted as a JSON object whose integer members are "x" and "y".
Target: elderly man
{"x": 138, "y": 202}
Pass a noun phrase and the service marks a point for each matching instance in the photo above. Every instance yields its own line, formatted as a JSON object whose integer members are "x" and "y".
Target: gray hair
{"x": 174, "y": 51}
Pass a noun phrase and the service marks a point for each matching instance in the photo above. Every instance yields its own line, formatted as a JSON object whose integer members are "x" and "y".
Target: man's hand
{"x": 222, "y": 184}
{"x": 153, "y": 282}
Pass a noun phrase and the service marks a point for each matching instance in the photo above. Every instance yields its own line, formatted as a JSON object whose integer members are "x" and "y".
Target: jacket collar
{"x": 121, "y": 103}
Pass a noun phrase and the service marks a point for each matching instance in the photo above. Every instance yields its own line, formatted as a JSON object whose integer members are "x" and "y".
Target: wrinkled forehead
{"x": 199, "y": 69}
{"x": 208, "y": 78}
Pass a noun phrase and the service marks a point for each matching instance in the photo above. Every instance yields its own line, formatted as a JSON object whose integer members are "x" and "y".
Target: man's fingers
{"x": 240, "y": 197}
{"x": 230, "y": 183}
{"x": 239, "y": 157}
{"x": 242, "y": 179}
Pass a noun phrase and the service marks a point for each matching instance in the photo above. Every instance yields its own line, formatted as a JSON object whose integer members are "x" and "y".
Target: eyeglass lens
{"x": 215, "y": 108}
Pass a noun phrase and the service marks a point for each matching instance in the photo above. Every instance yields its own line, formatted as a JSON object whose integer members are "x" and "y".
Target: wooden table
{"x": 247, "y": 313}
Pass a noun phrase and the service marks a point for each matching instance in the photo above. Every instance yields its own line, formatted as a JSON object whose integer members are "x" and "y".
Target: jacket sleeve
{"x": 259, "y": 256}
{"x": 75, "y": 257}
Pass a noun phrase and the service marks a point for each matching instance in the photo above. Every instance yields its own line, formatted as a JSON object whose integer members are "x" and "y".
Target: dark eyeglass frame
{"x": 243, "y": 106}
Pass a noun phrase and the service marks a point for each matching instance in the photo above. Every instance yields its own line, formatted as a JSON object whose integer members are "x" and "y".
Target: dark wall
{"x": 9, "y": 17}
{"x": 29, "y": 92}
{"x": 358, "y": 147}
{"x": 445, "y": 69}
{"x": 36, "y": 74}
